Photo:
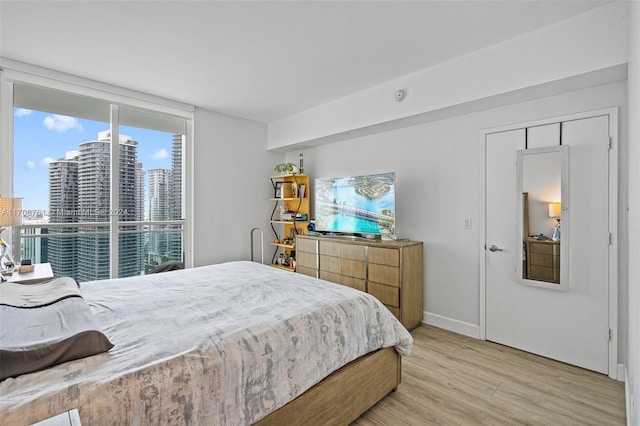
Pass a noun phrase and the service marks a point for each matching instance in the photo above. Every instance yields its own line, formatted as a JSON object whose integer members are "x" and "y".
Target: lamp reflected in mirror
{"x": 555, "y": 211}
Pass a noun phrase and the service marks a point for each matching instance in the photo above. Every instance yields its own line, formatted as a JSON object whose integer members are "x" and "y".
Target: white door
{"x": 573, "y": 325}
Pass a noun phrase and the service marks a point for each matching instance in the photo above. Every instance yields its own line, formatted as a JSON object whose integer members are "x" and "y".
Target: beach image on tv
{"x": 356, "y": 204}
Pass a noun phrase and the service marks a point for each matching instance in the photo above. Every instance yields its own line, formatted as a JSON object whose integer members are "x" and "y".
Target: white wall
{"x": 633, "y": 358}
{"x": 231, "y": 187}
{"x": 439, "y": 173}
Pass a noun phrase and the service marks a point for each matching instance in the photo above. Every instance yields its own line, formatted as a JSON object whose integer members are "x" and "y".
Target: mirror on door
{"x": 542, "y": 206}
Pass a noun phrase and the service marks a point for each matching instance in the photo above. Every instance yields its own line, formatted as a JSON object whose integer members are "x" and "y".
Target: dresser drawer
{"x": 544, "y": 248}
{"x": 386, "y": 294}
{"x": 395, "y": 311}
{"x": 545, "y": 260}
{"x": 384, "y": 274}
{"x": 306, "y": 271}
{"x": 343, "y": 251}
{"x": 305, "y": 245}
{"x": 306, "y": 260}
{"x": 350, "y": 268}
{"x": 544, "y": 274}
{"x": 384, "y": 256}
{"x": 358, "y": 284}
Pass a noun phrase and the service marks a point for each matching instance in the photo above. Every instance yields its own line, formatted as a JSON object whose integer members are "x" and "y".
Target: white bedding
{"x": 222, "y": 344}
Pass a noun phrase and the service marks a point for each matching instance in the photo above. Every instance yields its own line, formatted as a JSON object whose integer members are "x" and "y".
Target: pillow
{"x": 34, "y": 295}
{"x": 43, "y": 325}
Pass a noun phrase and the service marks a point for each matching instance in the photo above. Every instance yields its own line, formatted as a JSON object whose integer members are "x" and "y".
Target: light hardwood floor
{"x": 451, "y": 379}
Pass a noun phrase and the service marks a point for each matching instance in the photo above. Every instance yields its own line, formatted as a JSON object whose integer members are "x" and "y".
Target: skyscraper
{"x": 79, "y": 187}
{"x": 139, "y": 188}
{"x": 175, "y": 198}
{"x": 94, "y": 206}
{"x": 79, "y": 192}
{"x": 63, "y": 208}
{"x": 144, "y": 240}
{"x": 159, "y": 209}
{"x": 33, "y": 246}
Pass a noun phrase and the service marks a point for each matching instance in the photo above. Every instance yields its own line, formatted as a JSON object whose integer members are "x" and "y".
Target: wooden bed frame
{"x": 343, "y": 396}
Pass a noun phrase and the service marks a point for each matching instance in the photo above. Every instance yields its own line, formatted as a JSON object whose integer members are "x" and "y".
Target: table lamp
{"x": 10, "y": 215}
{"x": 555, "y": 211}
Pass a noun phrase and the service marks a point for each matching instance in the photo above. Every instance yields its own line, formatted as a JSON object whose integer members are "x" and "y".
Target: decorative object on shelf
{"x": 285, "y": 168}
{"x": 10, "y": 215}
{"x": 293, "y": 232}
{"x": 287, "y": 190}
{"x": 302, "y": 190}
{"x": 278, "y": 188}
{"x": 301, "y": 165}
{"x": 555, "y": 211}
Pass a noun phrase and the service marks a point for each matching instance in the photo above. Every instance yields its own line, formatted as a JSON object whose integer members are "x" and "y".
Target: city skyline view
{"x": 42, "y": 137}
{"x": 62, "y": 170}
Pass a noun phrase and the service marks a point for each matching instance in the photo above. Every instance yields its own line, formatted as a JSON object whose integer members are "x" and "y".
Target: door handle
{"x": 493, "y": 247}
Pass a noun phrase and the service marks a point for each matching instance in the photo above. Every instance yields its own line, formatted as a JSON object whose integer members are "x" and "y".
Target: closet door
{"x": 569, "y": 323}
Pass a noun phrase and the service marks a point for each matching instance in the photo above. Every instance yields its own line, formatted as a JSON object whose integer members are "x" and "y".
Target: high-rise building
{"x": 175, "y": 197}
{"x": 143, "y": 237}
{"x": 63, "y": 208}
{"x": 94, "y": 206}
{"x": 139, "y": 192}
{"x": 79, "y": 187}
{"x": 176, "y": 178}
{"x": 33, "y": 245}
{"x": 159, "y": 209}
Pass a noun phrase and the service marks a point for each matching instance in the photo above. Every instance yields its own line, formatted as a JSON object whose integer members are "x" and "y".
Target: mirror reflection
{"x": 541, "y": 185}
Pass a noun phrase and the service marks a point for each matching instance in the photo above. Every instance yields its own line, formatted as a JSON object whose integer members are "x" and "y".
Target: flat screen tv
{"x": 356, "y": 205}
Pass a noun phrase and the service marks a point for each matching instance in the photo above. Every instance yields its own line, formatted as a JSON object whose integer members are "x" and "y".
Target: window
{"x": 88, "y": 222}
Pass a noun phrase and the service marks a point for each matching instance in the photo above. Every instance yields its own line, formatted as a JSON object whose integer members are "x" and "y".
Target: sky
{"x": 41, "y": 137}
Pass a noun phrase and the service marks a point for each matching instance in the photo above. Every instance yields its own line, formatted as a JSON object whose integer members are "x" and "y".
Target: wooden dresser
{"x": 543, "y": 260}
{"x": 392, "y": 271}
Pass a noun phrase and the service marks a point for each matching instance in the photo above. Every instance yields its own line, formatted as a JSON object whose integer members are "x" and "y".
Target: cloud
{"x": 46, "y": 160}
{"x": 21, "y": 112}
{"x": 61, "y": 123}
{"x": 159, "y": 155}
{"x": 31, "y": 165}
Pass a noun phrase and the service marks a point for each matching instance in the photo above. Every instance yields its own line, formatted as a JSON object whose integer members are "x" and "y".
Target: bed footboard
{"x": 343, "y": 396}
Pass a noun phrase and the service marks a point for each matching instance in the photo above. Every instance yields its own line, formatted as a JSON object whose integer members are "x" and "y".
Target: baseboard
{"x": 451, "y": 324}
{"x": 621, "y": 373}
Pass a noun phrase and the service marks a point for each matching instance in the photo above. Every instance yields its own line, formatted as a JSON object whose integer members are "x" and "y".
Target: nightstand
{"x": 41, "y": 272}
{"x": 543, "y": 260}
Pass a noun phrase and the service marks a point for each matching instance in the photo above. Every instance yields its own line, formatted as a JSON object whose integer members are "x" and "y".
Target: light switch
{"x": 467, "y": 223}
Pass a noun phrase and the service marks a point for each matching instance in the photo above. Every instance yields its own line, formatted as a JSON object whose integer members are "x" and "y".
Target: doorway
{"x": 549, "y": 291}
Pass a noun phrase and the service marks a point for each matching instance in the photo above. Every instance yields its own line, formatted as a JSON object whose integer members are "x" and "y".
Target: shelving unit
{"x": 289, "y": 217}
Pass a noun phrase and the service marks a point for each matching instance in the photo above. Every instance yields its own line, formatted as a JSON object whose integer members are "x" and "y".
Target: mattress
{"x": 220, "y": 344}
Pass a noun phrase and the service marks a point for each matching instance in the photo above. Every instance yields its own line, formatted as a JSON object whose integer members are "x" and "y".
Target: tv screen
{"x": 364, "y": 205}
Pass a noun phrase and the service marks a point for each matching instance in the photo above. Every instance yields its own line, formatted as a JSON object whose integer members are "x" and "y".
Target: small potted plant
{"x": 285, "y": 168}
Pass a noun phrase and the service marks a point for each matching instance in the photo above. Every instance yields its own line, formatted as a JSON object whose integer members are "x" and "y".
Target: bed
{"x": 233, "y": 344}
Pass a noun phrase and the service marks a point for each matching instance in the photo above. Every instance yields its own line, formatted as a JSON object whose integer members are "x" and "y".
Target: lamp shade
{"x": 10, "y": 211}
{"x": 555, "y": 209}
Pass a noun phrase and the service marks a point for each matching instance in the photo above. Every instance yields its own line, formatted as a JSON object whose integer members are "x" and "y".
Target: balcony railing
{"x": 82, "y": 250}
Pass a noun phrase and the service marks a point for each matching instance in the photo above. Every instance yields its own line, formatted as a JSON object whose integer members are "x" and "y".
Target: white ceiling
{"x": 260, "y": 60}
